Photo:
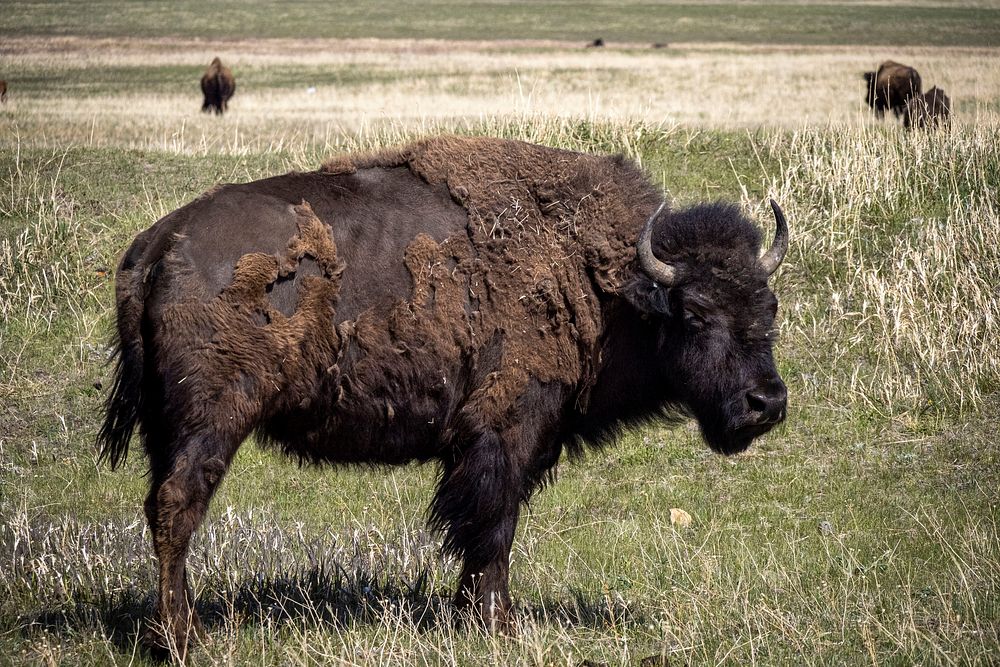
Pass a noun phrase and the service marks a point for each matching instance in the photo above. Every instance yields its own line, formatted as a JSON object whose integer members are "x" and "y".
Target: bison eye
{"x": 693, "y": 321}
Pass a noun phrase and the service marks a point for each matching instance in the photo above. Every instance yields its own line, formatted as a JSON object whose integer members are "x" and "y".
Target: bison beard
{"x": 475, "y": 302}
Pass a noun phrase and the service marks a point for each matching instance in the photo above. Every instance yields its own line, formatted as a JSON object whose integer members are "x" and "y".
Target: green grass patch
{"x": 865, "y": 528}
{"x": 631, "y": 21}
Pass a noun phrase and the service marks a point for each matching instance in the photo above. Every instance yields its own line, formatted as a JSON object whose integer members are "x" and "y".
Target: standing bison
{"x": 218, "y": 86}
{"x": 929, "y": 110}
{"x": 891, "y": 87}
{"x": 479, "y": 303}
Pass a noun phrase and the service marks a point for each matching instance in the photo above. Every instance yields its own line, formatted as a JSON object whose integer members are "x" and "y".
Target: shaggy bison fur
{"x": 929, "y": 110}
{"x": 218, "y": 86}
{"x": 479, "y": 303}
{"x": 891, "y": 87}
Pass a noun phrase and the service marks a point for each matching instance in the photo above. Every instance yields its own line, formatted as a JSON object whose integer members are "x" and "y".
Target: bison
{"x": 218, "y": 86}
{"x": 3, "y": 92}
{"x": 931, "y": 109}
{"x": 483, "y": 304}
{"x": 891, "y": 87}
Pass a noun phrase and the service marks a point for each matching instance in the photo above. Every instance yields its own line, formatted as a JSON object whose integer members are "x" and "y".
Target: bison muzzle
{"x": 483, "y": 304}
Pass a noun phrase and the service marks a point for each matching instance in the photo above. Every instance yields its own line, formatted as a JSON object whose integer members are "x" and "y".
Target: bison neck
{"x": 630, "y": 388}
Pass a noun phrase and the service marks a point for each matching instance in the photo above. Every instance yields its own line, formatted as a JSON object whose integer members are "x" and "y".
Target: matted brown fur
{"x": 264, "y": 353}
{"x": 547, "y": 240}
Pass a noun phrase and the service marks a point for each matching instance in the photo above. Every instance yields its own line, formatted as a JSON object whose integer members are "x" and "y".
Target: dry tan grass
{"x": 925, "y": 306}
{"x": 723, "y": 86}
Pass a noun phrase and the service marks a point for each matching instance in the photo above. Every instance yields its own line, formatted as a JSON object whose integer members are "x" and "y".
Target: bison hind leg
{"x": 185, "y": 473}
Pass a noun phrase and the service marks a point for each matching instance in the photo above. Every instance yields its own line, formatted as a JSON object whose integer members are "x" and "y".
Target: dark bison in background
{"x": 480, "y": 303}
{"x": 218, "y": 86}
{"x": 891, "y": 87}
{"x": 929, "y": 110}
{"x": 3, "y": 92}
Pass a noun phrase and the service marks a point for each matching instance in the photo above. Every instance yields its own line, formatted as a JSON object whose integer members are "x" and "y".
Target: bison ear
{"x": 649, "y": 298}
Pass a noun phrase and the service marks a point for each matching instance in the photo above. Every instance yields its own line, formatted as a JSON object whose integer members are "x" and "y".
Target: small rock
{"x": 680, "y": 518}
{"x": 825, "y": 528}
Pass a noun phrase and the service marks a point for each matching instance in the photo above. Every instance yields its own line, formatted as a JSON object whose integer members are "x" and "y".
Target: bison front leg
{"x": 477, "y": 505}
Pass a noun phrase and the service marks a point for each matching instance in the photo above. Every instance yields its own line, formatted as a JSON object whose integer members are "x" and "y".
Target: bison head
{"x": 870, "y": 92}
{"x": 705, "y": 288}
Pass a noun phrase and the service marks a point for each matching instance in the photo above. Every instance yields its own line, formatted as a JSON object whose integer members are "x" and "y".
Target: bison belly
{"x": 289, "y": 306}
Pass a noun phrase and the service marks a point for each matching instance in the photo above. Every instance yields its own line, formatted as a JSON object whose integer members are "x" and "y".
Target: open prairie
{"x": 142, "y": 93}
{"x": 864, "y": 530}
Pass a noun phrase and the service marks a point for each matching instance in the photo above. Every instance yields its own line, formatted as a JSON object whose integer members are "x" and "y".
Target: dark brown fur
{"x": 931, "y": 109}
{"x": 3, "y": 92}
{"x": 469, "y": 301}
{"x": 891, "y": 87}
{"x": 218, "y": 86}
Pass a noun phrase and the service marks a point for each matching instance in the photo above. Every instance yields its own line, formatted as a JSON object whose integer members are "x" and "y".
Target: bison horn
{"x": 661, "y": 272}
{"x": 771, "y": 260}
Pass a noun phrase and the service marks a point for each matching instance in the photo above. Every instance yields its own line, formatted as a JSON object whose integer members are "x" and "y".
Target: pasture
{"x": 864, "y": 530}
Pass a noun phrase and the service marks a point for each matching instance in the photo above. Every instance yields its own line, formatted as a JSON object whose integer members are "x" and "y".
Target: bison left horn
{"x": 771, "y": 260}
{"x": 661, "y": 272}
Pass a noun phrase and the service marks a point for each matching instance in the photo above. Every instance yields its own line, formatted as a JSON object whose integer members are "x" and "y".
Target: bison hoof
{"x": 165, "y": 643}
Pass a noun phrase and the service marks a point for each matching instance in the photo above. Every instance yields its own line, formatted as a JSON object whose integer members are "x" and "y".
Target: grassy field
{"x": 866, "y": 530}
{"x": 783, "y": 22}
{"x": 143, "y": 94}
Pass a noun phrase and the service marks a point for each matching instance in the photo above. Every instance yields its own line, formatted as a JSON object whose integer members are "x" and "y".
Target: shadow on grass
{"x": 119, "y": 618}
{"x": 319, "y": 596}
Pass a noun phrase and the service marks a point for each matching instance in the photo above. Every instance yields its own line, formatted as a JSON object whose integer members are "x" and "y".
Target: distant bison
{"x": 597, "y": 43}
{"x": 483, "y": 304}
{"x": 3, "y": 92}
{"x": 931, "y": 109}
{"x": 891, "y": 87}
{"x": 218, "y": 86}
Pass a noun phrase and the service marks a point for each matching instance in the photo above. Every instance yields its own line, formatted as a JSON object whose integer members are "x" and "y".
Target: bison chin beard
{"x": 730, "y": 430}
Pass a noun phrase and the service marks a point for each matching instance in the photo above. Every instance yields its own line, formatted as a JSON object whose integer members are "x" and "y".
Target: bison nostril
{"x": 756, "y": 401}
{"x": 767, "y": 405}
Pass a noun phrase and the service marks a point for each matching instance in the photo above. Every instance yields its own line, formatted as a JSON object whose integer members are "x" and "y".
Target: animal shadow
{"x": 319, "y": 596}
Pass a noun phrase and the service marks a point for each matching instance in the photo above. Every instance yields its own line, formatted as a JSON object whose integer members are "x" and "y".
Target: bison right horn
{"x": 771, "y": 260}
{"x": 661, "y": 272}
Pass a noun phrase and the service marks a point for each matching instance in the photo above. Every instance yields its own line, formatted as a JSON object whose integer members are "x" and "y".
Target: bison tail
{"x": 123, "y": 406}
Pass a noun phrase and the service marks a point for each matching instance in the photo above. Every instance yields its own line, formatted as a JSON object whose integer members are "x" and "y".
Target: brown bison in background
{"x": 3, "y": 92}
{"x": 929, "y": 110}
{"x": 891, "y": 87}
{"x": 218, "y": 86}
{"x": 483, "y": 304}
